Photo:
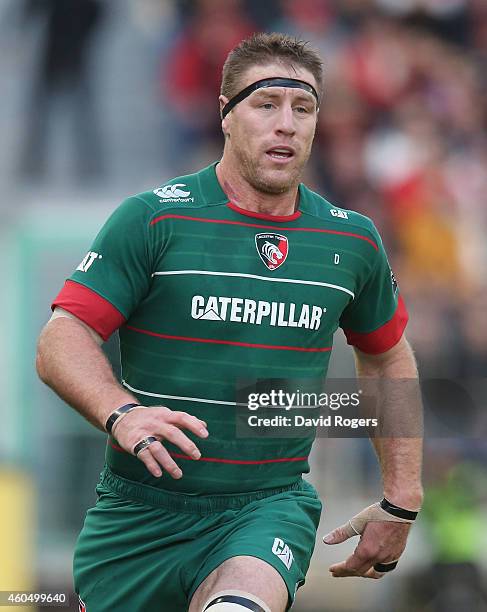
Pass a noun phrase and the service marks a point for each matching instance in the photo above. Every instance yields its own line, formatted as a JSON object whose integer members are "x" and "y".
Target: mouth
{"x": 281, "y": 154}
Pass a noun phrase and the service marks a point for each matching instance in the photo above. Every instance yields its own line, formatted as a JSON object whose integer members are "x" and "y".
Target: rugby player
{"x": 238, "y": 270}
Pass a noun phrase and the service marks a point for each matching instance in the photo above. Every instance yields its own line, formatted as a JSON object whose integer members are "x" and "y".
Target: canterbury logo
{"x": 172, "y": 191}
{"x": 283, "y": 552}
{"x": 271, "y": 253}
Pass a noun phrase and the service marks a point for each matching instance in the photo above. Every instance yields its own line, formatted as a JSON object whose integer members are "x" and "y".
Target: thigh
{"x": 129, "y": 557}
{"x": 264, "y": 550}
{"x": 247, "y": 575}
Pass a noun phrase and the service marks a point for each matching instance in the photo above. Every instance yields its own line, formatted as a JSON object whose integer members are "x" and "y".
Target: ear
{"x": 223, "y": 100}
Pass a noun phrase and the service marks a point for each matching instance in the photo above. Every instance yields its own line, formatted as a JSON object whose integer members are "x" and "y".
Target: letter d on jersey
{"x": 283, "y": 551}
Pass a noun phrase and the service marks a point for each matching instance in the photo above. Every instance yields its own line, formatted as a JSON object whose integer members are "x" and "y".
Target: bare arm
{"x": 400, "y": 458}
{"x": 383, "y": 540}
{"x": 71, "y": 361}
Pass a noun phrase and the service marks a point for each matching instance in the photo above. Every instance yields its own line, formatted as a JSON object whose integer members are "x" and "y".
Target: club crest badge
{"x": 272, "y": 249}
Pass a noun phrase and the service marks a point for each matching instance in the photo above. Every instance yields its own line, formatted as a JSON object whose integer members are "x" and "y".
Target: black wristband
{"x": 385, "y": 567}
{"x": 118, "y": 413}
{"x": 408, "y": 515}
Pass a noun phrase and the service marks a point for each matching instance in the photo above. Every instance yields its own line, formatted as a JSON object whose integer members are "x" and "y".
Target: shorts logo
{"x": 173, "y": 193}
{"x": 272, "y": 249}
{"x": 81, "y": 605}
{"x": 283, "y": 551}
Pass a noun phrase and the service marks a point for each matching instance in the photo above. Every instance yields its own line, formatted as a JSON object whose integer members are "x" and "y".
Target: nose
{"x": 285, "y": 121}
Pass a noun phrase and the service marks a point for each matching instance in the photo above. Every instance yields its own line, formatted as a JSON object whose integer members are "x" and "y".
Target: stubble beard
{"x": 273, "y": 183}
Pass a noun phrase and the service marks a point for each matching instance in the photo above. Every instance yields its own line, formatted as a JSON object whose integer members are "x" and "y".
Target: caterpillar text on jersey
{"x": 240, "y": 310}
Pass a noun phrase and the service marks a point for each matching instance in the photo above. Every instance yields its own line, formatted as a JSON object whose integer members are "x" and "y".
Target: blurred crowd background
{"x": 105, "y": 98}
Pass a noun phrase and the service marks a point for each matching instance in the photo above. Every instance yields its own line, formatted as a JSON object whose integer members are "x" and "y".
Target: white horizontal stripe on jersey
{"x": 256, "y": 277}
{"x": 180, "y": 397}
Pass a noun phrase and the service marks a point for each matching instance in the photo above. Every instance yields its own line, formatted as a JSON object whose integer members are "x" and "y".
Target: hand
{"x": 165, "y": 424}
{"x": 380, "y": 542}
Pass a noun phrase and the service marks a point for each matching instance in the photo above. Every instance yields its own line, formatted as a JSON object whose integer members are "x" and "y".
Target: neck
{"x": 244, "y": 195}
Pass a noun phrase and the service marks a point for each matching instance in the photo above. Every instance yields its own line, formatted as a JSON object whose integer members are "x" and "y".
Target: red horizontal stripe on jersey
{"x": 219, "y": 460}
{"x": 289, "y": 229}
{"x": 88, "y": 306}
{"x": 230, "y": 342}
{"x": 240, "y": 461}
{"x": 384, "y": 338}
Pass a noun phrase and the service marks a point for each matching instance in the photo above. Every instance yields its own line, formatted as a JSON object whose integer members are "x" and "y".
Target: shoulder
{"x": 339, "y": 218}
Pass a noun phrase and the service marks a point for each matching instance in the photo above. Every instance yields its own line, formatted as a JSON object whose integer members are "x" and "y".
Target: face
{"x": 270, "y": 133}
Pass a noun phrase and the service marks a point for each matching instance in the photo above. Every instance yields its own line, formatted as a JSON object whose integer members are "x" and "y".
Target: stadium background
{"x": 101, "y": 99}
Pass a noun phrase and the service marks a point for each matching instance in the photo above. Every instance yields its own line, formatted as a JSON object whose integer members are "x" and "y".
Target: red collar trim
{"x": 256, "y": 215}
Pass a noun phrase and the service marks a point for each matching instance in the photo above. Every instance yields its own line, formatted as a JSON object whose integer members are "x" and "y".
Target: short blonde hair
{"x": 263, "y": 48}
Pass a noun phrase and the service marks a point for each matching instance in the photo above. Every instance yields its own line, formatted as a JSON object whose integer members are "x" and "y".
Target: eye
{"x": 267, "y": 106}
{"x": 302, "y": 110}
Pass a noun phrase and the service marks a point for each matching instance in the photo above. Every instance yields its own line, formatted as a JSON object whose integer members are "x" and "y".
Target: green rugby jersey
{"x": 204, "y": 293}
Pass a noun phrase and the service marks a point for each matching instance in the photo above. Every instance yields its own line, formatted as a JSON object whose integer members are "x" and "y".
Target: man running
{"x": 238, "y": 271}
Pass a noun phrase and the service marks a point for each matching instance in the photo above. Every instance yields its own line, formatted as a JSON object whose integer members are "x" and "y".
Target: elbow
{"x": 41, "y": 366}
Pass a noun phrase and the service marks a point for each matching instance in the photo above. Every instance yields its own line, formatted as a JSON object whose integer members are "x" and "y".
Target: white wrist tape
{"x": 357, "y": 523}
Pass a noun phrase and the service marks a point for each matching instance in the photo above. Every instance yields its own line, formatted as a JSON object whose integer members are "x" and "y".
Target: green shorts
{"x": 142, "y": 548}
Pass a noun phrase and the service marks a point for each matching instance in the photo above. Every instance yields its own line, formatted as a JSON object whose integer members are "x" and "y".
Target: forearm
{"x": 400, "y": 452}
{"x": 400, "y": 460}
{"x": 75, "y": 367}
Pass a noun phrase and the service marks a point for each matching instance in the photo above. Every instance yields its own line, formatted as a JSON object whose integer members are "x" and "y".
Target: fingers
{"x": 358, "y": 564}
{"x": 340, "y": 534}
{"x": 177, "y": 437}
{"x": 159, "y": 455}
{"x": 164, "y": 424}
{"x": 380, "y": 543}
{"x": 187, "y": 421}
{"x": 375, "y": 575}
{"x": 173, "y": 434}
{"x": 150, "y": 463}
{"x": 156, "y": 455}
{"x": 340, "y": 570}
{"x": 355, "y": 567}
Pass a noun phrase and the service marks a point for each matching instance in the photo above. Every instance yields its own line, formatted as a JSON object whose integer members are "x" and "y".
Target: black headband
{"x": 273, "y": 82}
